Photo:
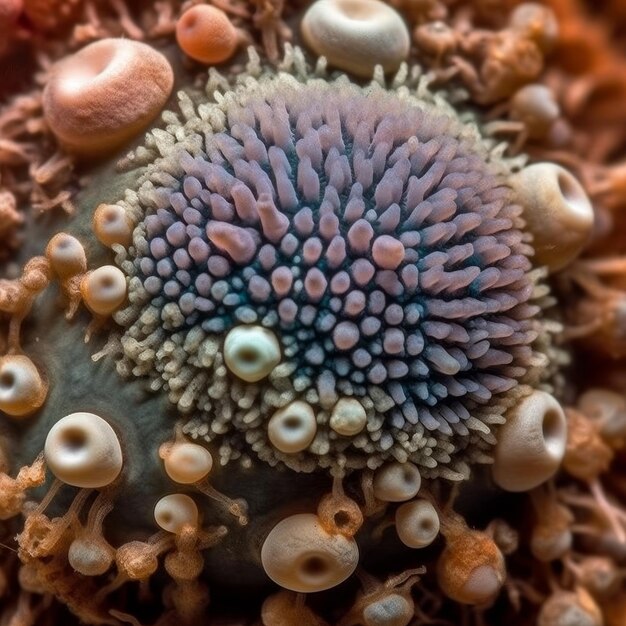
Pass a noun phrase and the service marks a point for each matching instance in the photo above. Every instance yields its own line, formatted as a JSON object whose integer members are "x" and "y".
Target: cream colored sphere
{"x": 292, "y": 428}
{"x": 348, "y": 417}
{"x": 531, "y": 444}
{"x": 111, "y": 225}
{"x": 66, "y": 255}
{"x": 22, "y": 388}
{"x": 175, "y": 511}
{"x": 557, "y": 212}
{"x": 187, "y": 463}
{"x": 417, "y": 523}
{"x": 356, "y": 35}
{"x": 104, "y": 289}
{"x": 82, "y": 450}
{"x": 251, "y": 352}
{"x": 397, "y": 482}
{"x": 299, "y": 555}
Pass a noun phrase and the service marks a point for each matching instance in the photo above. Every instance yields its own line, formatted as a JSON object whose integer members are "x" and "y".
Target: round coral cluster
{"x": 372, "y": 236}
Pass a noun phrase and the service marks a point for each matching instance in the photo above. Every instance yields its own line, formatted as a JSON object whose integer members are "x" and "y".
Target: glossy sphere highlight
{"x": 22, "y": 389}
{"x": 557, "y": 211}
{"x": 300, "y": 555}
{"x": 173, "y": 512}
{"x": 103, "y": 95}
{"x": 531, "y": 444}
{"x": 83, "y": 450}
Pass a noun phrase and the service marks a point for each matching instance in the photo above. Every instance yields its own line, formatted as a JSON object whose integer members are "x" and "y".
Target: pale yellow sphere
{"x": 66, "y": 255}
{"x": 357, "y": 35}
{"x": 348, "y": 417}
{"x": 251, "y": 352}
{"x": 292, "y": 428}
{"x": 417, "y": 523}
{"x": 397, "y": 482}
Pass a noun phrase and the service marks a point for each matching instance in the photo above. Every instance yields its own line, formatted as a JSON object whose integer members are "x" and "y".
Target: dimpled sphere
{"x": 101, "y": 96}
{"x": 357, "y": 35}
{"x": 373, "y": 235}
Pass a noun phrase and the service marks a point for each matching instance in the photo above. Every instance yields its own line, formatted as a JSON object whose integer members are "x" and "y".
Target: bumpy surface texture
{"x": 371, "y": 231}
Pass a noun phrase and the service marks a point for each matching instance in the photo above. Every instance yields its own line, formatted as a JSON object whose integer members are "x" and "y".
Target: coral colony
{"x": 296, "y": 301}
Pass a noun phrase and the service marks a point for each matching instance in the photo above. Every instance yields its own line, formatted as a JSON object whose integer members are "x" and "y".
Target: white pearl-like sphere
{"x": 397, "y": 482}
{"x": 417, "y": 523}
{"x": 251, "y": 352}
{"x": 83, "y": 450}
{"x": 357, "y": 35}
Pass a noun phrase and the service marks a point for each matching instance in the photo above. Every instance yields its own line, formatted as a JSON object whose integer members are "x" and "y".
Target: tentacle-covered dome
{"x": 371, "y": 234}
